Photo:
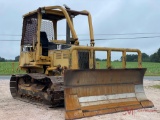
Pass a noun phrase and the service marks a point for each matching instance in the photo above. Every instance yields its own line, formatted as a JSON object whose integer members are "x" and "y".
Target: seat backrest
{"x": 44, "y": 43}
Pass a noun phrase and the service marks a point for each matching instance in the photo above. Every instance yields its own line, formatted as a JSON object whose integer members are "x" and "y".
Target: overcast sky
{"x": 109, "y": 17}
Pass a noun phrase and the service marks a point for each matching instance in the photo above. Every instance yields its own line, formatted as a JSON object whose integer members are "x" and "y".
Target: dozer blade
{"x": 95, "y": 92}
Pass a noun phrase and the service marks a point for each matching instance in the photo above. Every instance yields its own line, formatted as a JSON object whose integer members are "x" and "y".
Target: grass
{"x": 153, "y": 69}
{"x": 156, "y": 86}
{"x": 9, "y": 68}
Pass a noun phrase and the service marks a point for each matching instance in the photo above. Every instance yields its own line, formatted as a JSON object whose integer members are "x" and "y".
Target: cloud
{"x": 109, "y": 17}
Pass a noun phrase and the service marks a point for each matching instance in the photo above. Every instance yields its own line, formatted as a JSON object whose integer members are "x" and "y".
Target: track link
{"x": 29, "y": 96}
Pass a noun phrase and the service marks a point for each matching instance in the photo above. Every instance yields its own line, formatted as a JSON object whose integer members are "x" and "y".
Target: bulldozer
{"x": 64, "y": 73}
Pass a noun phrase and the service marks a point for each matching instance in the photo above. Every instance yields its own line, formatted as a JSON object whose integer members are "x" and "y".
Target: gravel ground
{"x": 11, "y": 109}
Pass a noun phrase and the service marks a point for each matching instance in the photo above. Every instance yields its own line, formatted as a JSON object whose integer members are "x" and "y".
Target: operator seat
{"x": 44, "y": 43}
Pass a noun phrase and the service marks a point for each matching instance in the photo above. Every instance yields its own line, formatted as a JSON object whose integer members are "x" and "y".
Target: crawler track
{"x": 38, "y": 89}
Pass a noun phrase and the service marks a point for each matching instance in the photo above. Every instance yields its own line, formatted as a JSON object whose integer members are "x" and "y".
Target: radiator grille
{"x": 29, "y": 30}
{"x": 83, "y": 59}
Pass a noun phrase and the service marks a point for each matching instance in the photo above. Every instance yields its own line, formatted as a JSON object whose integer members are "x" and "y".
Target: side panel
{"x": 95, "y": 92}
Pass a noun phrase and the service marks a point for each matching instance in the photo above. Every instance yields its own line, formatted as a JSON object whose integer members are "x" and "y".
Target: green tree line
{"x": 9, "y": 60}
{"x": 155, "y": 57}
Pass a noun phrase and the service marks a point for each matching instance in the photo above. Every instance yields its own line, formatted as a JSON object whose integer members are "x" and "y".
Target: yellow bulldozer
{"x": 64, "y": 73}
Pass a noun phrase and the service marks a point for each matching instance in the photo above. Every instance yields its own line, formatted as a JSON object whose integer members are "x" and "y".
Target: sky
{"x": 108, "y": 17}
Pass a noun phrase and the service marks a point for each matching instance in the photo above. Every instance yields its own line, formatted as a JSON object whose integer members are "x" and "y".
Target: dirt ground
{"x": 11, "y": 109}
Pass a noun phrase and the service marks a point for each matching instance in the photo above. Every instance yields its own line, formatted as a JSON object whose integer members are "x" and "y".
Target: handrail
{"x": 109, "y": 50}
{"x": 90, "y": 28}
